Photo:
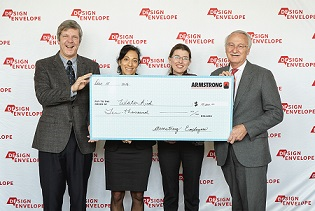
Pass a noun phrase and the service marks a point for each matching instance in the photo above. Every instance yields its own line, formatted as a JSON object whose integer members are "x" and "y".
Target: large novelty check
{"x": 186, "y": 108}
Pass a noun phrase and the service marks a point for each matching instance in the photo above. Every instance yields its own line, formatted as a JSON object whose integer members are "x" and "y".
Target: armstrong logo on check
{"x": 225, "y": 85}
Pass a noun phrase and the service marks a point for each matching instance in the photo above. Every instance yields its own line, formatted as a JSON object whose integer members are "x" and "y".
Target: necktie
{"x": 70, "y": 72}
{"x": 234, "y": 70}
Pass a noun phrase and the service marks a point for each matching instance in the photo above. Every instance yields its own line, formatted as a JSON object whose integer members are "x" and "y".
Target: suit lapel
{"x": 81, "y": 67}
{"x": 60, "y": 69}
{"x": 244, "y": 84}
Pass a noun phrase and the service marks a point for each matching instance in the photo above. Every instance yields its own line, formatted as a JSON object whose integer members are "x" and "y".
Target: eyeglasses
{"x": 232, "y": 46}
{"x": 184, "y": 58}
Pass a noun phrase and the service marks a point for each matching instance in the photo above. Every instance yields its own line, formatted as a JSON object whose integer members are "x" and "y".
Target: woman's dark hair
{"x": 179, "y": 46}
{"x": 124, "y": 50}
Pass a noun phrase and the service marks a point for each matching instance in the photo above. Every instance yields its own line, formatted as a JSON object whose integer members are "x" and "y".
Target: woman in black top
{"x": 174, "y": 153}
{"x": 127, "y": 163}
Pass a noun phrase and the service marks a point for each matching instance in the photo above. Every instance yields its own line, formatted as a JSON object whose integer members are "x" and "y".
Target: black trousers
{"x": 170, "y": 158}
{"x": 58, "y": 169}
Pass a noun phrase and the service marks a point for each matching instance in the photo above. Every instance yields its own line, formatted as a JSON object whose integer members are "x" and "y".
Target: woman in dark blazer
{"x": 127, "y": 163}
{"x": 174, "y": 153}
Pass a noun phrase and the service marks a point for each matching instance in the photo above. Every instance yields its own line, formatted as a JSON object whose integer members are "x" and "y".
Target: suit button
{"x": 72, "y": 106}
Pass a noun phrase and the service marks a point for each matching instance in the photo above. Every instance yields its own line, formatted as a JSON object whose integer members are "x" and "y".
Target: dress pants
{"x": 67, "y": 167}
{"x": 248, "y": 186}
{"x": 170, "y": 158}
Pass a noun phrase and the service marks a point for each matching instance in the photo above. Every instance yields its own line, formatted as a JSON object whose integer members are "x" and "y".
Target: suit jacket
{"x": 61, "y": 113}
{"x": 258, "y": 106}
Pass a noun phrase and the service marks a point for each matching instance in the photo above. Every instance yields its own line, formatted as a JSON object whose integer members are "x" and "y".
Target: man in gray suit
{"x": 65, "y": 154}
{"x": 245, "y": 156}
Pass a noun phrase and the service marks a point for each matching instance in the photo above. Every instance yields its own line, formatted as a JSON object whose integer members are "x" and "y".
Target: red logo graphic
{"x": 152, "y": 203}
{"x": 211, "y": 154}
{"x": 294, "y": 155}
{"x": 126, "y": 39}
{"x": 295, "y": 14}
{"x": 19, "y": 16}
{"x": 296, "y": 109}
{"x": 218, "y": 61}
{"x": 94, "y": 203}
{"x": 21, "y": 157}
{"x": 23, "y": 203}
{"x": 224, "y": 14}
{"x": 18, "y": 63}
{"x": 225, "y": 201}
{"x": 292, "y": 201}
{"x": 313, "y": 36}
{"x": 312, "y": 175}
{"x": 313, "y": 83}
{"x": 193, "y": 38}
{"x": 88, "y": 15}
{"x": 21, "y": 111}
{"x": 50, "y": 39}
{"x": 154, "y": 62}
{"x": 263, "y": 38}
{"x": 181, "y": 177}
{"x": 295, "y": 62}
{"x": 313, "y": 130}
{"x": 156, "y": 14}
{"x": 5, "y": 42}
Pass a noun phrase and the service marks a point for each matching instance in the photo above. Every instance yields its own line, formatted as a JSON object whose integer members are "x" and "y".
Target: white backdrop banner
{"x": 283, "y": 34}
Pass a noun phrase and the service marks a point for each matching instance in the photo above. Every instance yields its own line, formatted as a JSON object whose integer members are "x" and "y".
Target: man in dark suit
{"x": 245, "y": 156}
{"x": 65, "y": 155}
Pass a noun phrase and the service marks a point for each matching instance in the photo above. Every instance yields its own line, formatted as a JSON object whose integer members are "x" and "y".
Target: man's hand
{"x": 225, "y": 73}
{"x": 237, "y": 134}
{"x": 81, "y": 82}
{"x": 90, "y": 141}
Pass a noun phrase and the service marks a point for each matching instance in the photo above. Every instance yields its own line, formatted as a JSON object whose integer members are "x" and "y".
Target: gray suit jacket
{"x": 61, "y": 113}
{"x": 258, "y": 106}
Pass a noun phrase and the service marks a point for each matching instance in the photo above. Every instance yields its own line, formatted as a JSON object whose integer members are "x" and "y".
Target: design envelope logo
{"x": 263, "y": 38}
{"x": 50, "y": 39}
{"x": 295, "y": 62}
{"x": 294, "y": 155}
{"x": 126, "y": 39}
{"x": 154, "y": 62}
{"x": 295, "y": 14}
{"x": 224, "y": 14}
{"x": 156, "y": 14}
{"x": 19, "y": 16}
{"x": 292, "y": 201}
{"x": 23, "y": 203}
{"x": 194, "y": 38}
{"x": 18, "y": 63}
{"x": 88, "y": 15}
{"x": 218, "y": 61}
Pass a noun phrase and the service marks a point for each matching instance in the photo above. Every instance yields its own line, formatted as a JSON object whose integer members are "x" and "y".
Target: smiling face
{"x": 179, "y": 61}
{"x": 129, "y": 63}
{"x": 237, "y": 49}
{"x": 69, "y": 43}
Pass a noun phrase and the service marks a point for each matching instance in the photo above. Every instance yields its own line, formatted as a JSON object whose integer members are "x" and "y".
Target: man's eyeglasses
{"x": 232, "y": 46}
{"x": 184, "y": 58}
